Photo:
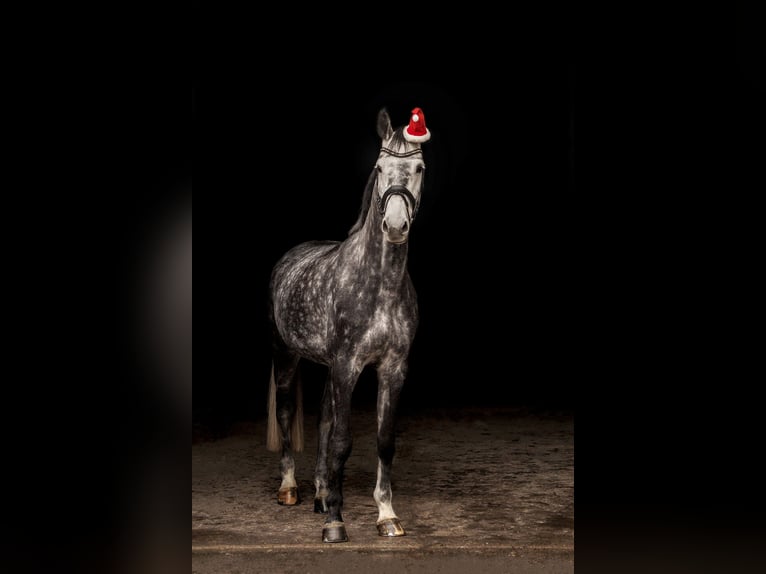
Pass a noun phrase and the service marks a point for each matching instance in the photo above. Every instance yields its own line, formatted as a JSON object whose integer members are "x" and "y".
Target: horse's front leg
{"x": 391, "y": 375}
{"x": 324, "y": 426}
{"x": 342, "y": 380}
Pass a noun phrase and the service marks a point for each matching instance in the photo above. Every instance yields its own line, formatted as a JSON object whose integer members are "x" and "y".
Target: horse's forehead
{"x": 400, "y": 144}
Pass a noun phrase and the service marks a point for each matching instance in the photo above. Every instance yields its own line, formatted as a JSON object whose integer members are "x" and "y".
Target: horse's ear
{"x": 385, "y": 131}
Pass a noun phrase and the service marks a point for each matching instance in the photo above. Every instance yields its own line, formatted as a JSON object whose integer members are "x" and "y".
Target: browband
{"x": 402, "y": 154}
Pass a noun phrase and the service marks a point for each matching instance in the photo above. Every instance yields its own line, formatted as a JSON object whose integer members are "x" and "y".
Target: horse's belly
{"x": 299, "y": 295}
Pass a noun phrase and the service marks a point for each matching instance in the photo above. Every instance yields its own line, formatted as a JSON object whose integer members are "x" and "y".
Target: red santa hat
{"x": 417, "y": 132}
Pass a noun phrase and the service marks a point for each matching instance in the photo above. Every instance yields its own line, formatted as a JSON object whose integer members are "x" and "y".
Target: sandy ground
{"x": 477, "y": 490}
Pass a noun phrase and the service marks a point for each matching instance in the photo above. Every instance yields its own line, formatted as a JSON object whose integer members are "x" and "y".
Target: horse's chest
{"x": 385, "y": 325}
{"x": 380, "y": 329}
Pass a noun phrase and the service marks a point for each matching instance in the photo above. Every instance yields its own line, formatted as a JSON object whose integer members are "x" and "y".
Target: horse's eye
{"x": 419, "y": 169}
{"x": 380, "y": 169}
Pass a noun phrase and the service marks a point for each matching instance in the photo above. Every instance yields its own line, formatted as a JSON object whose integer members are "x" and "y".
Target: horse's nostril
{"x": 385, "y": 226}
{"x": 405, "y": 227}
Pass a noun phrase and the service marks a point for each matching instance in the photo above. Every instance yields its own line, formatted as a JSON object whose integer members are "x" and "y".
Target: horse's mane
{"x": 397, "y": 141}
{"x": 366, "y": 199}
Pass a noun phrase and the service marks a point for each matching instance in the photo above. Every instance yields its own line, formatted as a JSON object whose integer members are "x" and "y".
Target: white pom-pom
{"x": 415, "y": 117}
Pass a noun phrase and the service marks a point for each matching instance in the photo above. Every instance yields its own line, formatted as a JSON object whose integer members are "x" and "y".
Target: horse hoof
{"x": 320, "y": 506}
{"x": 288, "y": 496}
{"x": 334, "y": 532}
{"x": 390, "y": 527}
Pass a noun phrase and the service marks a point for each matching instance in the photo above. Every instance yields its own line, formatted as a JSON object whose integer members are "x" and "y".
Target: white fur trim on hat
{"x": 416, "y": 139}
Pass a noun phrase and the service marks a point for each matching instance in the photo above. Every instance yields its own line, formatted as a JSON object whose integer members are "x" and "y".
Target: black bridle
{"x": 400, "y": 190}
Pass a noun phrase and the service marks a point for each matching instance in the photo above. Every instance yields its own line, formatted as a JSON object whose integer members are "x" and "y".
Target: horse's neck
{"x": 376, "y": 256}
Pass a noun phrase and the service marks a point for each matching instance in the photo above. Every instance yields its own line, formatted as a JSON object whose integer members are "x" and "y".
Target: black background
{"x": 286, "y": 159}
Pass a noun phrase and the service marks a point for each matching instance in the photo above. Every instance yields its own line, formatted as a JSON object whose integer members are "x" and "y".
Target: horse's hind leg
{"x": 324, "y": 425}
{"x": 390, "y": 382}
{"x": 286, "y": 372}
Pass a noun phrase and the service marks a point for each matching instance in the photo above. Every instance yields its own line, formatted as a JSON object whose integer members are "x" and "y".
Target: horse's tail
{"x": 297, "y": 429}
{"x": 273, "y": 438}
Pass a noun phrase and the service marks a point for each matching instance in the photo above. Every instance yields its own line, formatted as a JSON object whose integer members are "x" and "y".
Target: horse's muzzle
{"x": 397, "y": 234}
{"x": 397, "y": 205}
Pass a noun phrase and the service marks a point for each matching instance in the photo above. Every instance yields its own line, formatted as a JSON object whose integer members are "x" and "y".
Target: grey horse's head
{"x": 399, "y": 174}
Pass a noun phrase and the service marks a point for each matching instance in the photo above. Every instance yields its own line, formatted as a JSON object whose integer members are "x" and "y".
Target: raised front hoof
{"x": 288, "y": 496}
{"x": 334, "y": 532}
{"x": 320, "y": 506}
{"x": 390, "y": 527}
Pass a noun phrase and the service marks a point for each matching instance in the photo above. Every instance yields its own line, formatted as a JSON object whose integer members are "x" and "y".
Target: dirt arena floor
{"x": 477, "y": 490}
